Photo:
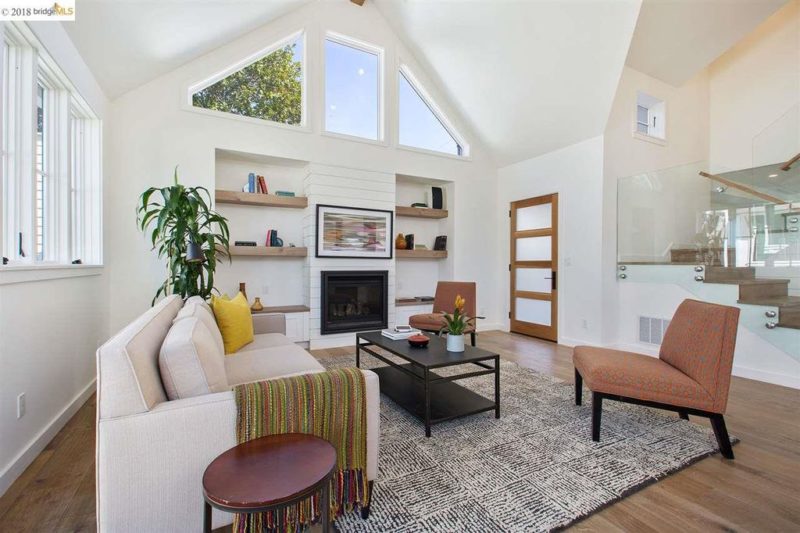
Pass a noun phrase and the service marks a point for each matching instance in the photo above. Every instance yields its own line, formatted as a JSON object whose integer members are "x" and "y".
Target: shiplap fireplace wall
{"x": 347, "y": 187}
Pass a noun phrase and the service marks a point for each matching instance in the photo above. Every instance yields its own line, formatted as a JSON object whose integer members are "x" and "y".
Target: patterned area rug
{"x": 534, "y": 469}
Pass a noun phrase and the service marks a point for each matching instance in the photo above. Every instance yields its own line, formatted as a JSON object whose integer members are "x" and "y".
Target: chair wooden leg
{"x": 597, "y": 411}
{"x": 721, "y": 432}
{"x": 472, "y": 338}
{"x": 365, "y": 510}
{"x": 578, "y": 387}
{"x": 684, "y": 415}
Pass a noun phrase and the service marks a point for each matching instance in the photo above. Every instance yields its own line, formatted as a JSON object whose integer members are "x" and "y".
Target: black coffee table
{"x": 415, "y": 386}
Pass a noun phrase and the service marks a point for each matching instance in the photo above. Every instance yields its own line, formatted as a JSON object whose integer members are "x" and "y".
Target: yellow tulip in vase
{"x": 457, "y": 322}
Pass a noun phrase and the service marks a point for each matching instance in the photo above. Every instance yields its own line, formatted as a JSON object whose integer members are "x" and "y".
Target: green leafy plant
{"x": 186, "y": 232}
{"x": 458, "y": 321}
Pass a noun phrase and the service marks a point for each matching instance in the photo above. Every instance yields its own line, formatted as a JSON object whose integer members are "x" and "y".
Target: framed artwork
{"x": 354, "y": 232}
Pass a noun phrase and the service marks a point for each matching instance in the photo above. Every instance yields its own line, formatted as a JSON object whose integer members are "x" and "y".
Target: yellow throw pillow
{"x": 234, "y": 320}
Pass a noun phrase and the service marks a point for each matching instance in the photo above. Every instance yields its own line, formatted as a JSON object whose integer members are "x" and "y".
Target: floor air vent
{"x": 651, "y": 330}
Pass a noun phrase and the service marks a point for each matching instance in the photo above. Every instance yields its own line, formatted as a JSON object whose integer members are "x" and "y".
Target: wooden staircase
{"x": 759, "y": 291}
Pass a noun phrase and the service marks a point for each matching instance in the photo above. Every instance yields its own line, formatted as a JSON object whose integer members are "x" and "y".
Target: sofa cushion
{"x": 234, "y": 320}
{"x": 638, "y": 376}
{"x": 270, "y": 363}
{"x": 197, "y": 308}
{"x": 191, "y": 362}
{"x": 266, "y": 340}
{"x": 129, "y": 381}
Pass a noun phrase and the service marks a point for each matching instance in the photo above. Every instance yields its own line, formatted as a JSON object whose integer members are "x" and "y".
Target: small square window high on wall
{"x": 51, "y": 147}
{"x": 651, "y": 116}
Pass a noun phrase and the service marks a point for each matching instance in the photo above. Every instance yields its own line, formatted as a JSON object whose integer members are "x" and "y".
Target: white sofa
{"x": 152, "y": 450}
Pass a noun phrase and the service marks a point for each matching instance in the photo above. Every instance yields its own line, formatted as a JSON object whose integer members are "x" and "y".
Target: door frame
{"x": 526, "y": 328}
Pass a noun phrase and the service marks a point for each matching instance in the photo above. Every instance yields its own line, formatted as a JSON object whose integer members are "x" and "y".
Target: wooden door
{"x": 534, "y": 267}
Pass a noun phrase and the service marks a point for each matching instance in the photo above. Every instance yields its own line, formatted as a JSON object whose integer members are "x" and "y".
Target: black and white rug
{"x": 534, "y": 469}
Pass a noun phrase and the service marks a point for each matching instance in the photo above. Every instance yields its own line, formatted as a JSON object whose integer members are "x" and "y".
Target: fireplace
{"x": 354, "y": 300}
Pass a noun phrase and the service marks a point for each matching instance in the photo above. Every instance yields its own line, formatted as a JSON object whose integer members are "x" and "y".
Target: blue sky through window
{"x": 419, "y": 127}
{"x": 351, "y": 91}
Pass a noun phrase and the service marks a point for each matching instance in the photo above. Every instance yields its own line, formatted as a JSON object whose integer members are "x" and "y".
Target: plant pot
{"x": 455, "y": 343}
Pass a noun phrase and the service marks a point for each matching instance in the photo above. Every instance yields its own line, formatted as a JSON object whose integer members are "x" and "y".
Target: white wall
{"x": 576, "y": 174}
{"x": 152, "y": 132}
{"x": 51, "y": 321}
{"x": 753, "y": 85}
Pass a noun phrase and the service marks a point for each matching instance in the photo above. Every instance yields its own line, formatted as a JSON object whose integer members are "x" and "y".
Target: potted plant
{"x": 187, "y": 233}
{"x": 457, "y": 322}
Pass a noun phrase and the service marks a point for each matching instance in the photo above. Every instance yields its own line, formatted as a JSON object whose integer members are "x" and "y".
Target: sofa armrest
{"x": 269, "y": 323}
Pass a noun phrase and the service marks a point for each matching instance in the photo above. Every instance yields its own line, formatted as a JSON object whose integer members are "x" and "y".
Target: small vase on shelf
{"x": 400, "y": 242}
{"x": 257, "y": 305}
{"x": 455, "y": 343}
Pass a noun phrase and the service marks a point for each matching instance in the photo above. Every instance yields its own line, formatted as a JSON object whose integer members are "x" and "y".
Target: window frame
{"x": 369, "y": 48}
{"x": 193, "y": 87}
{"x": 654, "y": 100}
{"x": 31, "y": 66}
{"x": 405, "y": 71}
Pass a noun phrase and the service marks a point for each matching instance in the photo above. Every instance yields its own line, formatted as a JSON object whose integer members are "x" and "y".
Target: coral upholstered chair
{"x": 444, "y": 301}
{"x": 691, "y": 375}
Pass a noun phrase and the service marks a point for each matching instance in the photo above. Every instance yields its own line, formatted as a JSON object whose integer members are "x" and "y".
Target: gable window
{"x": 45, "y": 217}
{"x": 650, "y": 116}
{"x": 421, "y": 124}
{"x": 267, "y": 87}
{"x": 353, "y": 86}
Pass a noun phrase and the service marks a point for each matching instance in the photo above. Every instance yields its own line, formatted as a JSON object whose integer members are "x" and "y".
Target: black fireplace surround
{"x": 354, "y": 300}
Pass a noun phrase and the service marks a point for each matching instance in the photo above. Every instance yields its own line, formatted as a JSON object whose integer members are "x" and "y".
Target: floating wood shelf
{"x": 421, "y": 254}
{"x": 409, "y": 303}
{"x": 268, "y": 251}
{"x": 264, "y": 200}
{"x": 283, "y": 309}
{"x": 420, "y": 212}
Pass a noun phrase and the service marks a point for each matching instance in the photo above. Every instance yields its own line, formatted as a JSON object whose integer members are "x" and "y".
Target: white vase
{"x": 455, "y": 343}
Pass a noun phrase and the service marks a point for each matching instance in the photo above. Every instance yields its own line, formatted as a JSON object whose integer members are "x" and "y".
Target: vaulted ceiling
{"x": 529, "y": 76}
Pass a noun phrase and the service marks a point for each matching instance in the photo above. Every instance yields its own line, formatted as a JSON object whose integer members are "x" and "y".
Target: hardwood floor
{"x": 755, "y": 492}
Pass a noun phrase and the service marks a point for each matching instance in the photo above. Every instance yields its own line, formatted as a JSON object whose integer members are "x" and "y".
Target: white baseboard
{"x": 784, "y": 380}
{"x": 18, "y": 465}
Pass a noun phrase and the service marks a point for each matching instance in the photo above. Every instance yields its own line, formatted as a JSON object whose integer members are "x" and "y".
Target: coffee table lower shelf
{"x": 448, "y": 399}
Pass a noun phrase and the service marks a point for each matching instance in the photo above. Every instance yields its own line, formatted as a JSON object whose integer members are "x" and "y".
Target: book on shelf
{"x": 244, "y": 243}
{"x": 285, "y": 193}
{"x": 391, "y": 333}
{"x": 251, "y": 182}
{"x": 262, "y": 184}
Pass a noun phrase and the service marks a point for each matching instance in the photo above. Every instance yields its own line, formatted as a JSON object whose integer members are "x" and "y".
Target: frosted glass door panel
{"x": 533, "y": 311}
{"x": 535, "y": 217}
{"x": 534, "y": 279}
{"x": 534, "y": 249}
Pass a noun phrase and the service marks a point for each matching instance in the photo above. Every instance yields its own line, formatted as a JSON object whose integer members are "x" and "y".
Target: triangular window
{"x": 421, "y": 124}
{"x": 267, "y": 88}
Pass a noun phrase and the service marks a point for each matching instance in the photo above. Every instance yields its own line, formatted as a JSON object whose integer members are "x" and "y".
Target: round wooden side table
{"x": 269, "y": 473}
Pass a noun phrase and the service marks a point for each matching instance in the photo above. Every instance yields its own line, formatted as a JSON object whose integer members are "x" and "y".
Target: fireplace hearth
{"x": 354, "y": 300}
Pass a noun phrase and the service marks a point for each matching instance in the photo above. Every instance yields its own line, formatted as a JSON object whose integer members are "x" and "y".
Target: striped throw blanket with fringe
{"x": 331, "y": 405}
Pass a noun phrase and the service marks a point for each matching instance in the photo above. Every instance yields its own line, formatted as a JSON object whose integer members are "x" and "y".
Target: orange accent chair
{"x": 691, "y": 375}
{"x": 444, "y": 301}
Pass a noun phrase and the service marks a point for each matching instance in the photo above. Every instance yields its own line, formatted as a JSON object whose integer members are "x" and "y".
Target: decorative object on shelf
{"x": 245, "y": 243}
{"x": 456, "y": 323}
{"x": 353, "y": 232}
{"x": 421, "y": 341}
{"x": 409, "y": 241}
{"x": 257, "y": 306}
{"x": 262, "y": 185}
{"x": 182, "y": 219}
{"x": 400, "y": 242}
{"x": 273, "y": 240}
{"x": 436, "y": 198}
{"x": 291, "y": 245}
{"x": 285, "y": 193}
{"x": 419, "y": 204}
{"x": 420, "y": 247}
{"x": 440, "y": 243}
{"x": 243, "y": 289}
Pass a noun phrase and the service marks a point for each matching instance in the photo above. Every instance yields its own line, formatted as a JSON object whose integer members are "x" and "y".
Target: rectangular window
{"x": 52, "y": 182}
{"x": 353, "y": 88}
{"x": 650, "y": 116}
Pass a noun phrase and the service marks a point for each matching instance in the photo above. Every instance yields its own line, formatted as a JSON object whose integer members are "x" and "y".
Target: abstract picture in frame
{"x": 354, "y": 232}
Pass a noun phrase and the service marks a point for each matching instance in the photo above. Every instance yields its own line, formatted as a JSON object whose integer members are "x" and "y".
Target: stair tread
{"x": 774, "y": 301}
{"x": 757, "y": 281}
